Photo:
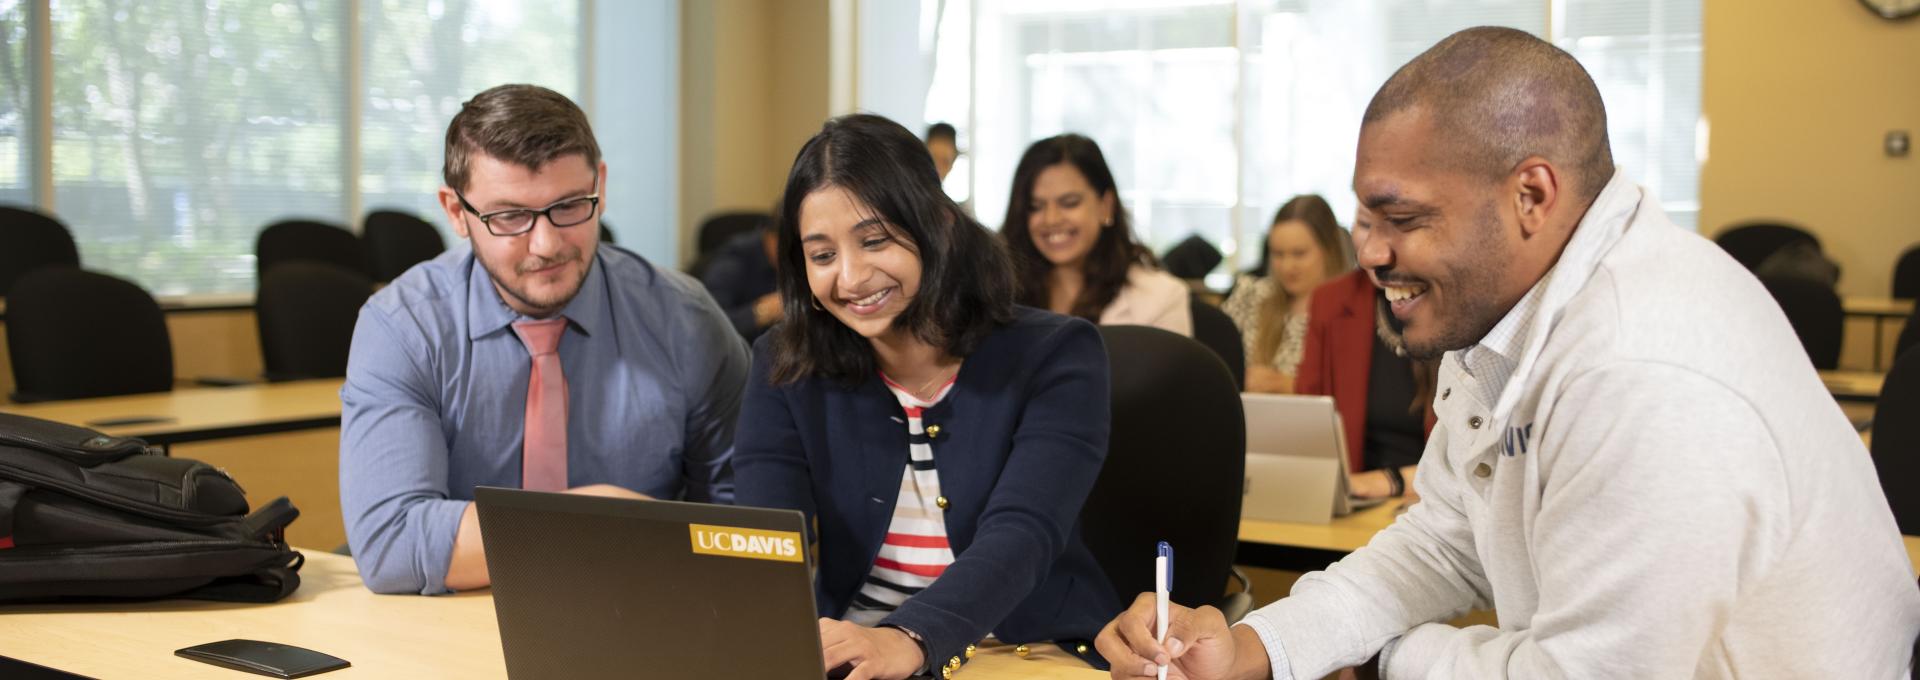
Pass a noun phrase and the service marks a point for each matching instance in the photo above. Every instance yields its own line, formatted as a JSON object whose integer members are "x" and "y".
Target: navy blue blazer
{"x": 1022, "y": 435}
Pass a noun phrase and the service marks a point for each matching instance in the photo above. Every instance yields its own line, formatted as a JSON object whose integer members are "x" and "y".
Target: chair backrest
{"x": 1176, "y": 463}
{"x": 1896, "y": 440}
{"x": 1215, "y": 329}
{"x": 1752, "y": 243}
{"x": 74, "y": 334}
{"x": 30, "y": 240}
{"x": 1906, "y": 274}
{"x": 306, "y": 312}
{"x": 1909, "y": 334}
{"x": 1191, "y": 258}
{"x": 292, "y": 240}
{"x": 715, "y": 231}
{"x": 1815, "y": 312}
{"x": 396, "y": 241}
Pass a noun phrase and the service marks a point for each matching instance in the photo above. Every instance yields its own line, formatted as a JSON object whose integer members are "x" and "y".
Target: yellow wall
{"x": 1799, "y": 96}
{"x": 753, "y": 88}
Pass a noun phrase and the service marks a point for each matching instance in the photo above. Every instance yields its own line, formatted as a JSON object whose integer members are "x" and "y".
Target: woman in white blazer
{"x": 1072, "y": 247}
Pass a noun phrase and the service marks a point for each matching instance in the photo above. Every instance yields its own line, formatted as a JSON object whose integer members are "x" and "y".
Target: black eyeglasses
{"x": 517, "y": 221}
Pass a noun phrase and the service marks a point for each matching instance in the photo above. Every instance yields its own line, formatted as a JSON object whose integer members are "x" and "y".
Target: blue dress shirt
{"x": 436, "y": 395}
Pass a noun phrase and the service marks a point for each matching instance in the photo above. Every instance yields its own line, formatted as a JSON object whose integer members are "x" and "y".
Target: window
{"x": 15, "y": 84}
{"x": 424, "y": 58}
{"x": 181, "y": 128}
{"x": 1214, "y": 112}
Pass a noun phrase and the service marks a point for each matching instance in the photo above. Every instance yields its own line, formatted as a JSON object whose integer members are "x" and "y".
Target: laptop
{"x": 1296, "y": 460}
{"x": 587, "y": 586}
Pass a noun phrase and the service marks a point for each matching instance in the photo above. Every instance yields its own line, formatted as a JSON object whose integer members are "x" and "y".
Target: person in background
{"x": 1305, "y": 246}
{"x": 1073, "y": 251}
{"x": 530, "y": 357}
{"x": 943, "y": 143}
{"x": 1636, "y": 466}
{"x": 941, "y": 438}
{"x": 1385, "y": 399}
{"x": 740, "y": 277}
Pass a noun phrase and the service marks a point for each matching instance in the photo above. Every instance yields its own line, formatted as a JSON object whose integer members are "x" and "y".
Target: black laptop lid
{"x": 588, "y": 587}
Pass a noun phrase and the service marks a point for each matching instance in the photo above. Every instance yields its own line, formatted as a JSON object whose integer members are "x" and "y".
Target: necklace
{"x": 922, "y": 392}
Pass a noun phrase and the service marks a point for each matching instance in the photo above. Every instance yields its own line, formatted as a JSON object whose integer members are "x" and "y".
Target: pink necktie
{"x": 543, "y": 454}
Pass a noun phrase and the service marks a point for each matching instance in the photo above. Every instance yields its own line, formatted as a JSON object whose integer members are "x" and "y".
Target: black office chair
{"x": 1815, "y": 312}
{"x": 292, "y": 240}
{"x": 717, "y": 230}
{"x": 1191, "y": 258}
{"x": 395, "y": 241}
{"x": 30, "y": 240}
{"x": 1906, "y": 274}
{"x": 1215, "y": 329}
{"x": 1896, "y": 440}
{"x": 1175, "y": 467}
{"x": 1753, "y": 242}
{"x": 306, "y": 312}
{"x": 1909, "y": 334}
{"x": 75, "y": 334}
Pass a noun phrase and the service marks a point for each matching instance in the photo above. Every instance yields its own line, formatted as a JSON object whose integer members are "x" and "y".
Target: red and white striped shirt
{"x": 916, "y": 551}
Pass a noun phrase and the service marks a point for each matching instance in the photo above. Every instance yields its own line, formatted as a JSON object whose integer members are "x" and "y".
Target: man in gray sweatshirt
{"x": 1635, "y": 464}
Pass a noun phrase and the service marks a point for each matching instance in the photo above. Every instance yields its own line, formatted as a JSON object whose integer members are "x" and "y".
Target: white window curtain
{"x": 1214, "y": 112}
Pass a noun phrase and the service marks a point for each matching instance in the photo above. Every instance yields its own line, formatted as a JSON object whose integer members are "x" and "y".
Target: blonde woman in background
{"x": 1304, "y": 247}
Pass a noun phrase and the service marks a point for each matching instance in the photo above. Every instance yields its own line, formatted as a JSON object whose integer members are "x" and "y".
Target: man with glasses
{"x": 531, "y": 358}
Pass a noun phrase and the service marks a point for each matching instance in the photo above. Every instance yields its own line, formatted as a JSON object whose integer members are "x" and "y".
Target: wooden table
{"x": 1854, "y": 385}
{"x": 384, "y": 636}
{"x": 202, "y": 413}
{"x": 1310, "y": 547}
{"x": 1880, "y": 309}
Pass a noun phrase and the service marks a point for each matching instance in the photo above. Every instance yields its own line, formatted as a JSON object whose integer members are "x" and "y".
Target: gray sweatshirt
{"x": 1643, "y": 476}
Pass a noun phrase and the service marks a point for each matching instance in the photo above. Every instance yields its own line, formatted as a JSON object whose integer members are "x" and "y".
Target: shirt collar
{"x": 487, "y": 313}
{"x": 1505, "y": 352}
{"x": 1496, "y": 358}
{"x": 1492, "y": 360}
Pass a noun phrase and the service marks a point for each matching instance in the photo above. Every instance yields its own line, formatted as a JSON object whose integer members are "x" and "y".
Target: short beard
{"x": 1473, "y": 280}
{"x": 521, "y": 296}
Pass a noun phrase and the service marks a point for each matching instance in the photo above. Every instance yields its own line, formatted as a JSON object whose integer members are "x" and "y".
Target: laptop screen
{"x": 587, "y": 586}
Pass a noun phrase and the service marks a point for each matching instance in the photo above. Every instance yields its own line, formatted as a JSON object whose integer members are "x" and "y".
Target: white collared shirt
{"x": 1644, "y": 478}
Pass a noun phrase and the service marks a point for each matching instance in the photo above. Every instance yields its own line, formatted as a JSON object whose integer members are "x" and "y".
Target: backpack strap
{"x": 10, "y": 494}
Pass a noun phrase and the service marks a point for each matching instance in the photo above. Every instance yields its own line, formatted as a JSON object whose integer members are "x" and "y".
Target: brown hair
{"x": 526, "y": 125}
{"x": 1270, "y": 321}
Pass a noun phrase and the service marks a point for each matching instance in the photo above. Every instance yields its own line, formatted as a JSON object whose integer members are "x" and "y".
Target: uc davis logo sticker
{"x": 755, "y": 544}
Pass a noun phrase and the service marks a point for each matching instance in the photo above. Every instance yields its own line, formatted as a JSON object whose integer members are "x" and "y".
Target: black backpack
{"x": 84, "y": 515}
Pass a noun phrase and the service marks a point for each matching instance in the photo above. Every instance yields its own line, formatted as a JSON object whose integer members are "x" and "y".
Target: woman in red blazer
{"x": 1387, "y": 413}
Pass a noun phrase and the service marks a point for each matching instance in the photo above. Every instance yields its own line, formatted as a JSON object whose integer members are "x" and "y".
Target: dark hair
{"x": 1113, "y": 253}
{"x": 1270, "y": 320}
{"x": 943, "y": 131}
{"x": 526, "y": 125}
{"x": 966, "y": 279}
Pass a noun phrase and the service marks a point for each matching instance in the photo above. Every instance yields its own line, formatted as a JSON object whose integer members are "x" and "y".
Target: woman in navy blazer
{"x": 901, "y": 336}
